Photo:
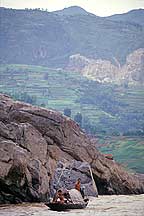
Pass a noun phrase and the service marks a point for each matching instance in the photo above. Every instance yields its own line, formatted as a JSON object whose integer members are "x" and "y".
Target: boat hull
{"x": 66, "y": 206}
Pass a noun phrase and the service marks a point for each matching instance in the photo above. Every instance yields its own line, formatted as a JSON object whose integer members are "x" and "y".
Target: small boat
{"x": 76, "y": 202}
{"x": 66, "y": 206}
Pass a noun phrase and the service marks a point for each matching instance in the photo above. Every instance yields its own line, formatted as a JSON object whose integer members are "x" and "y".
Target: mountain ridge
{"x": 45, "y": 38}
{"x": 135, "y": 16}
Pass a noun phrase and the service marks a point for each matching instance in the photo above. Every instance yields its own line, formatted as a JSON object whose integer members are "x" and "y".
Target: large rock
{"x": 32, "y": 142}
{"x": 66, "y": 175}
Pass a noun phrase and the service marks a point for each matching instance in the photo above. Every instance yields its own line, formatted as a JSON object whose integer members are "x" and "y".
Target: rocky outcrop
{"x": 104, "y": 71}
{"x": 32, "y": 142}
{"x": 77, "y": 62}
{"x": 66, "y": 175}
{"x": 133, "y": 70}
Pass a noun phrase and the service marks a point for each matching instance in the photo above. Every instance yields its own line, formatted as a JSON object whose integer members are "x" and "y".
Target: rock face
{"x": 103, "y": 71}
{"x": 32, "y": 142}
{"x": 133, "y": 70}
{"x": 66, "y": 175}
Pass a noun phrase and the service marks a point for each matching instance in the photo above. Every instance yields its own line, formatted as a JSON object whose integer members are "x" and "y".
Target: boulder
{"x": 32, "y": 142}
{"x": 66, "y": 175}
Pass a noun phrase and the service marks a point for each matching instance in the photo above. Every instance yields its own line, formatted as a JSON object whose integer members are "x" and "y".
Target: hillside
{"x": 106, "y": 108}
{"x": 127, "y": 150}
{"x": 42, "y": 38}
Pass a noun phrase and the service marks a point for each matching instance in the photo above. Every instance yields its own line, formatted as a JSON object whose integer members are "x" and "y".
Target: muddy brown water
{"x": 115, "y": 205}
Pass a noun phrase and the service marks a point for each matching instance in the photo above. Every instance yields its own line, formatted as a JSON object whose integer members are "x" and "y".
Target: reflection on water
{"x": 102, "y": 206}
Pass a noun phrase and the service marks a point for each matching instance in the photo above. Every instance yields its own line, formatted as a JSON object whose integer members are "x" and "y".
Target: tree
{"x": 46, "y": 76}
{"x": 43, "y": 105}
{"x": 78, "y": 119}
{"x": 67, "y": 112}
{"x": 25, "y": 97}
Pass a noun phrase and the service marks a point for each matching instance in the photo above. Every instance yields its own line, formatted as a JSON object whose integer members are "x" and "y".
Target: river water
{"x": 115, "y": 205}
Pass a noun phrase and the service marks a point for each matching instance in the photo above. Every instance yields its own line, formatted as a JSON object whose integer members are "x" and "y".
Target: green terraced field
{"x": 129, "y": 151}
{"x": 56, "y": 89}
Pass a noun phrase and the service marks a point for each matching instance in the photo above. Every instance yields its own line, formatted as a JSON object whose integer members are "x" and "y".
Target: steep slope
{"x": 33, "y": 140}
{"x": 42, "y": 38}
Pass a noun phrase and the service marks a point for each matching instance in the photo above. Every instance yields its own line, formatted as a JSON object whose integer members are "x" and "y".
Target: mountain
{"x": 33, "y": 140}
{"x": 41, "y": 38}
{"x": 71, "y": 11}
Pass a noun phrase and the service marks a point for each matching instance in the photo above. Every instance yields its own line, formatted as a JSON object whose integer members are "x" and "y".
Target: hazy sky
{"x": 99, "y": 7}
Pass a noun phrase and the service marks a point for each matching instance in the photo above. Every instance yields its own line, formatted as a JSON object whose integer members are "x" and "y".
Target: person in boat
{"x": 59, "y": 197}
{"x": 78, "y": 184}
{"x": 78, "y": 187}
{"x": 67, "y": 197}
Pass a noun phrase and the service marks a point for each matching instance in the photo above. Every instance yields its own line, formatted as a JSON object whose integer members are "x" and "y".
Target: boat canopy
{"x": 76, "y": 196}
